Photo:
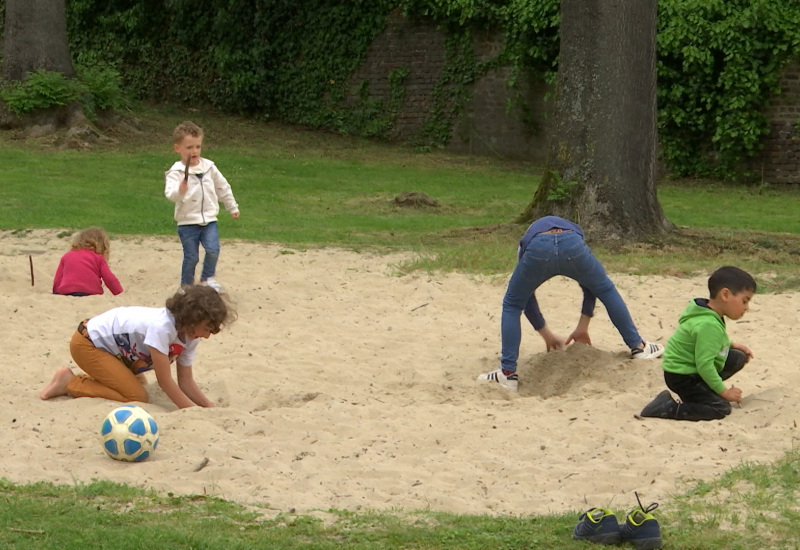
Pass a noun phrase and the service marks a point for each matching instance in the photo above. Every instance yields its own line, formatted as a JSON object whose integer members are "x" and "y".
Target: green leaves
{"x": 96, "y": 88}
{"x": 718, "y": 64}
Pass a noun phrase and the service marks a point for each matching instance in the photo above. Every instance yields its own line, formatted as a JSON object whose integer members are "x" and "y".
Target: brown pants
{"x": 106, "y": 376}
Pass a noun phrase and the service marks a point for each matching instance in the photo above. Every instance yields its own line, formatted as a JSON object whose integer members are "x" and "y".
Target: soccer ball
{"x": 129, "y": 433}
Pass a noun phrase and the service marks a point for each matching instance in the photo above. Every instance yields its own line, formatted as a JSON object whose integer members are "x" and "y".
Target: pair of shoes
{"x": 599, "y": 525}
{"x": 649, "y": 351}
{"x": 663, "y": 406}
{"x": 212, "y": 283}
{"x": 509, "y": 382}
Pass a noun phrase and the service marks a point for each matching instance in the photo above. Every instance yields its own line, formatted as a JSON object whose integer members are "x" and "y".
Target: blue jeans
{"x": 192, "y": 236}
{"x": 549, "y": 255}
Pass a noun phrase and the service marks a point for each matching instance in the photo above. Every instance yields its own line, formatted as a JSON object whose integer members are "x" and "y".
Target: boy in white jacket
{"x": 197, "y": 187}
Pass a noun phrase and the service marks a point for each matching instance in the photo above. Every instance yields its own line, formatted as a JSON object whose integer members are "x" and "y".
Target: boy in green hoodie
{"x": 700, "y": 355}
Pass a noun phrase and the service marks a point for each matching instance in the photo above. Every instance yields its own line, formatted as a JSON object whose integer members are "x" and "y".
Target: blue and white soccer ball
{"x": 129, "y": 433}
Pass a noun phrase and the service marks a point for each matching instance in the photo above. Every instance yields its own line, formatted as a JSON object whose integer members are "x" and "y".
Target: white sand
{"x": 342, "y": 385}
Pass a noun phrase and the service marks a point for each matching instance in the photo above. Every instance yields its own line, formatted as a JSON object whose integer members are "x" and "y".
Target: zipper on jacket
{"x": 202, "y": 197}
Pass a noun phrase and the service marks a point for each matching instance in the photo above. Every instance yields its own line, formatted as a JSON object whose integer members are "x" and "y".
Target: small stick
{"x": 203, "y": 464}
{"x": 30, "y": 261}
{"x": 738, "y": 403}
{"x": 27, "y": 531}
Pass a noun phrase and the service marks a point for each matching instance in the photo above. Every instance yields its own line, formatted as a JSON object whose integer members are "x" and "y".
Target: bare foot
{"x": 142, "y": 378}
{"x": 58, "y": 385}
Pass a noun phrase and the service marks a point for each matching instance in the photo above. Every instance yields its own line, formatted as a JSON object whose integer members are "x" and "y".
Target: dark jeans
{"x": 698, "y": 400}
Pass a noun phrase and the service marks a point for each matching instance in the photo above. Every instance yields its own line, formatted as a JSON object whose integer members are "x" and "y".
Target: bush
{"x": 96, "y": 88}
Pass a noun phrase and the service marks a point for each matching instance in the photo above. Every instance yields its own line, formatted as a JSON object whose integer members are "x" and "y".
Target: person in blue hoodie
{"x": 700, "y": 356}
{"x": 554, "y": 246}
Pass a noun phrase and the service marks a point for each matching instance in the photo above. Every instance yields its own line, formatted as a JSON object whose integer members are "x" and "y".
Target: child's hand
{"x": 235, "y": 216}
{"x": 183, "y": 187}
{"x": 551, "y": 340}
{"x": 744, "y": 349}
{"x": 732, "y": 394}
{"x": 579, "y": 335}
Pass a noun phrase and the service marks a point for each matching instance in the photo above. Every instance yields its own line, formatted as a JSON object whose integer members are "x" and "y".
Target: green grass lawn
{"x": 308, "y": 189}
{"x": 303, "y": 188}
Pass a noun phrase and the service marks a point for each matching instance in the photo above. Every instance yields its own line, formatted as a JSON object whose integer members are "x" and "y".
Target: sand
{"x": 344, "y": 385}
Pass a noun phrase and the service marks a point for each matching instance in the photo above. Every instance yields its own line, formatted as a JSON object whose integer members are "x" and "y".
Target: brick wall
{"x": 779, "y": 162}
{"x": 486, "y": 126}
{"x": 416, "y": 47}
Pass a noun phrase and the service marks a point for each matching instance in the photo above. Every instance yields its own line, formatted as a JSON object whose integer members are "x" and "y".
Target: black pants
{"x": 698, "y": 400}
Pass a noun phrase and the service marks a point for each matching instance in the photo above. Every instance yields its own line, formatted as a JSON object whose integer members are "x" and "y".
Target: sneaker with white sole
{"x": 212, "y": 283}
{"x": 649, "y": 351}
{"x": 509, "y": 382}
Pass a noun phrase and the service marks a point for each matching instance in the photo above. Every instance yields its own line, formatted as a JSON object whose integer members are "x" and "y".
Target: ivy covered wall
{"x": 308, "y": 62}
{"x": 468, "y": 108}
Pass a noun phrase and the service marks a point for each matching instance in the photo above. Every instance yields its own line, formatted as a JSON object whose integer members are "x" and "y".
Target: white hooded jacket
{"x": 207, "y": 188}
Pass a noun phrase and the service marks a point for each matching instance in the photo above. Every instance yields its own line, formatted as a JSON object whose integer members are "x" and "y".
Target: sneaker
{"x": 508, "y": 382}
{"x": 212, "y": 283}
{"x": 649, "y": 351}
{"x": 663, "y": 406}
{"x": 597, "y": 525}
{"x": 641, "y": 528}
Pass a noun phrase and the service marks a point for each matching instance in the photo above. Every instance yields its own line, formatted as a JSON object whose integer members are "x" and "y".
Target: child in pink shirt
{"x": 84, "y": 268}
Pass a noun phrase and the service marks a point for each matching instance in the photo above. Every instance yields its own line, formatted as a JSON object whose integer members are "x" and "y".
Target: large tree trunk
{"x": 35, "y": 38}
{"x": 602, "y": 159}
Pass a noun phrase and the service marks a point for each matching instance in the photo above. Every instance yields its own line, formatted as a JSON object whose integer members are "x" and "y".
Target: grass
{"x": 752, "y": 507}
{"x": 303, "y": 189}
{"x": 308, "y": 189}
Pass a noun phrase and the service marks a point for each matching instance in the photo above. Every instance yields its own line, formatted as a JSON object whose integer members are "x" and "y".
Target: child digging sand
{"x": 117, "y": 346}
{"x": 83, "y": 270}
{"x": 700, "y": 355}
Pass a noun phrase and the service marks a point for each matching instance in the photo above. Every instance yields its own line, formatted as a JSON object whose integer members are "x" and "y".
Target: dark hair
{"x": 195, "y": 304}
{"x": 734, "y": 279}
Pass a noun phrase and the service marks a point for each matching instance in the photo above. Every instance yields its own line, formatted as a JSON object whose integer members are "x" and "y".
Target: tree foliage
{"x": 719, "y": 61}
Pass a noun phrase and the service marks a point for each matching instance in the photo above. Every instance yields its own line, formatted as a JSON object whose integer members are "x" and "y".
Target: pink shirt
{"x": 82, "y": 271}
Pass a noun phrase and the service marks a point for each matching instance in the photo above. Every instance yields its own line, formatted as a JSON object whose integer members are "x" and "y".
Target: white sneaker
{"x": 509, "y": 382}
{"x": 212, "y": 283}
{"x": 649, "y": 351}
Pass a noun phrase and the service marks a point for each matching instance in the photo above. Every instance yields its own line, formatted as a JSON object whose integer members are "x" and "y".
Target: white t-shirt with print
{"x": 126, "y": 332}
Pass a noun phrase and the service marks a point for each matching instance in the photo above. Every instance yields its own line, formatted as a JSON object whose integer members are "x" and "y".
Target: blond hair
{"x": 186, "y": 128}
{"x": 93, "y": 238}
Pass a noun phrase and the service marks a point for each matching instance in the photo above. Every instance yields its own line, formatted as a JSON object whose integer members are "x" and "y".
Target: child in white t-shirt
{"x": 114, "y": 347}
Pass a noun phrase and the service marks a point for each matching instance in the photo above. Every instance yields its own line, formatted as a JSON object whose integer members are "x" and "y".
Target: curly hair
{"x": 196, "y": 304}
{"x": 186, "y": 128}
{"x": 93, "y": 238}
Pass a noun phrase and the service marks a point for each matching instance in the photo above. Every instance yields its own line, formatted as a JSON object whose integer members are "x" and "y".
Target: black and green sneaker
{"x": 598, "y": 525}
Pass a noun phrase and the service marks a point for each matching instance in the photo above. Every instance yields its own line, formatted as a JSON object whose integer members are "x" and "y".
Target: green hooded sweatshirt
{"x": 699, "y": 345}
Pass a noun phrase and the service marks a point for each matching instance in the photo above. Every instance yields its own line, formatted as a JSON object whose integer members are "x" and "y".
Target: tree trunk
{"x": 35, "y": 38}
{"x": 602, "y": 159}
